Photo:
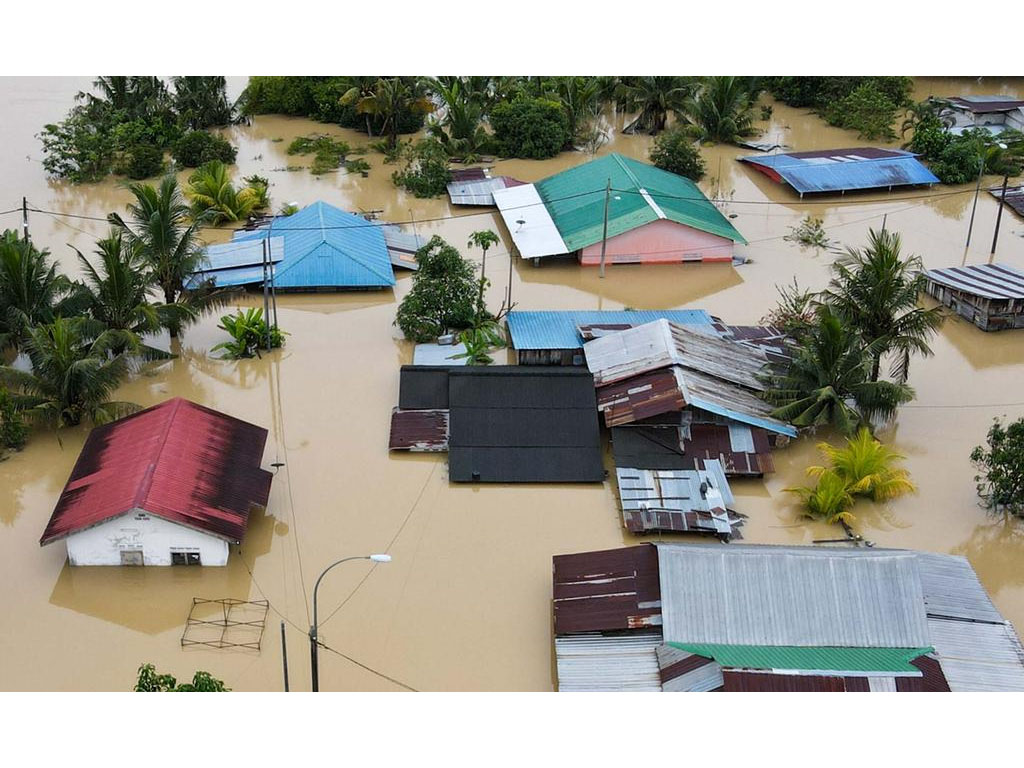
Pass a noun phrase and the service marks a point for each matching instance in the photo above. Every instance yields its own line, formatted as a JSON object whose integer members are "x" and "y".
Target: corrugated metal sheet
{"x": 642, "y": 194}
{"x": 643, "y": 396}
{"x": 608, "y": 663}
{"x": 952, "y": 589}
{"x": 978, "y": 656}
{"x": 615, "y": 589}
{"x": 840, "y": 170}
{"x": 419, "y": 431}
{"x": 402, "y": 246}
{"x": 324, "y": 247}
{"x": 677, "y": 500}
{"x": 847, "y": 660}
{"x": 528, "y": 222}
{"x": 1014, "y": 197}
{"x": 671, "y": 447}
{"x": 683, "y": 671}
{"x": 178, "y": 461}
{"x": 479, "y": 191}
{"x": 735, "y": 681}
{"x": 246, "y": 253}
{"x": 758, "y": 595}
{"x": 990, "y": 281}
{"x": 439, "y": 354}
{"x": 560, "y": 329}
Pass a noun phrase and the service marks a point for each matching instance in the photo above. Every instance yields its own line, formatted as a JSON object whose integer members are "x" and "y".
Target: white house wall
{"x": 156, "y": 537}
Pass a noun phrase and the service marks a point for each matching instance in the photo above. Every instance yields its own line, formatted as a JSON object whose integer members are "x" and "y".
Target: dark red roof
{"x": 178, "y": 461}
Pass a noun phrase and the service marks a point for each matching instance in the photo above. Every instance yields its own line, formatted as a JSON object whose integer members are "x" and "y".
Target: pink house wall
{"x": 660, "y": 241}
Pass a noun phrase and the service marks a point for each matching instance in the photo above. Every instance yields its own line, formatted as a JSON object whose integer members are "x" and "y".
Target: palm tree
{"x": 828, "y": 381}
{"x": 168, "y": 241}
{"x": 202, "y": 101}
{"x": 358, "y": 88}
{"x": 653, "y": 98}
{"x": 464, "y": 103}
{"x": 139, "y": 96}
{"x": 875, "y": 291}
{"x": 722, "y": 110}
{"x": 31, "y": 289}
{"x": 390, "y": 99}
{"x": 829, "y": 500}
{"x": 580, "y": 97}
{"x": 73, "y": 376}
{"x": 117, "y": 294}
{"x": 865, "y": 465}
{"x": 482, "y": 239}
{"x": 214, "y": 197}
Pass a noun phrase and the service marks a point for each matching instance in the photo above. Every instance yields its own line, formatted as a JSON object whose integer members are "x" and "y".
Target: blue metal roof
{"x": 324, "y": 247}
{"x": 557, "y": 330}
{"x": 842, "y": 170}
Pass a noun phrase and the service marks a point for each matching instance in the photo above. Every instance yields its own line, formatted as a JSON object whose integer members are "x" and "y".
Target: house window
{"x": 131, "y": 557}
{"x": 183, "y": 557}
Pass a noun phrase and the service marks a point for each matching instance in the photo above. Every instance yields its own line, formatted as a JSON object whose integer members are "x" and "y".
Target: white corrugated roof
{"x": 978, "y": 656}
{"x": 537, "y": 236}
{"x": 595, "y": 662}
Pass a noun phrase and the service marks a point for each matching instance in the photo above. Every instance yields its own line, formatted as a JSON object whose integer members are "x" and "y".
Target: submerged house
{"x": 843, "y": 170}
{"x": 320, "y": 248}
{"x": 171, "y": 485}
{"x": 654, "y": 216}
{"x": 476, "y": 186}
{"x": 995, "y": 114}
{"x": 502, "y": 424}
{"x": 692, "y": 617}
{"x": 989, "y": 295}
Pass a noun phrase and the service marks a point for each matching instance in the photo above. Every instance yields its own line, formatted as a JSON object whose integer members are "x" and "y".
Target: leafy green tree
{"x": 868, "y": 109}
{"x": 214, "y": 197}
{"x": 197, "y": 148}
{"x": 425, "y": 173}
{"x": 1000, "y": 466}
{"x": 795, "y": 312}
{"x": 533, "y": 128}
{"x": 150, "y": 681}
{"x": 676, "y": 152}
{"x": 201, "y": 101}
{"x": 143, "y": 161}
{"x": 828, "y": 381}
{"x": 390, "y": 99}
{"x": 77, "y": 149}
{"x": 32, "y": 291}
{"x": 116, "y": 294}
{"x": 866, "y": 466}
{"x": 460, "y": 126}
{"x": 875, "y": 291}
{"x": 13, "y": 430}
{"x": 653, "y": 99}
{"x": 74, "y": 374}
{"x": 722, "y": 110}
{"x": 167, "y": 238}
{"x": 443, "y": 295}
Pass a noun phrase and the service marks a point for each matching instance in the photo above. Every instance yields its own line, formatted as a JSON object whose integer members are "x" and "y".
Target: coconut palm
{"x": 580, "y": 97}
{"x": 392, "y": 97}
{"x": 31, "y": 289}
{"x": 828, "y": 381}
{"x": 116, "y": 294}
{"x": 202, "y": 101}
{"x": 653, "y": 98}
{"x": 168, "y": 240}
{"x": 74, "y": 373}
{"x": 464, "y": 103}
{"x": 829, "y": 500}
{"x": 875, "y": 291}
{"x": 866, "y": 466}
{"x": 722, "y": 110}
{"x": 359, "y": 87}
{"x": 214, "y": 196}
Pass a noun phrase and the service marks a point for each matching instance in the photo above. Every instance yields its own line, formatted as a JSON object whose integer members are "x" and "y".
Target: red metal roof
{"x": 419, "y": 431}
{"x": 178, "y": 461}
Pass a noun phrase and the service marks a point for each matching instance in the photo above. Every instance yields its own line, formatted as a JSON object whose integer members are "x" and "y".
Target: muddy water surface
{"x": 465, "y": 605}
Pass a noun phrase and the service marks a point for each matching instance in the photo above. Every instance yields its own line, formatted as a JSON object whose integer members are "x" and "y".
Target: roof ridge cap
{"x": 147, "y": 481}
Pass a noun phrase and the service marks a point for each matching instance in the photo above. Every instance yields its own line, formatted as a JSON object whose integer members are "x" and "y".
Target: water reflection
{"x": 996, "y": 550}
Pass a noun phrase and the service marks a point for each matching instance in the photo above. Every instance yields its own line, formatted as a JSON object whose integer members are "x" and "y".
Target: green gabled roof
{"x": 575, "y": 200}
{"x": 806, "y": 659}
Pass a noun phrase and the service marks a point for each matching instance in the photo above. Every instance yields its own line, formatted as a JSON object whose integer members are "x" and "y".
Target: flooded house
{"x": 989, "y": 295}
{"x": 502, "y": 424}
{"x": 827, "y": 171}
{"x": 171, "y": 485}
{"x": 994, "y": 114}
{"x": 634, "y": 212}
{"x": 319, "y": 248}
{"x": 476, "y": 186}
{"x": 707, "y": 617}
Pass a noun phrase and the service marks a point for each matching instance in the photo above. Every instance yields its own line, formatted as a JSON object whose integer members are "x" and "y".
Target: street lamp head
{"x": 381, "y": 558}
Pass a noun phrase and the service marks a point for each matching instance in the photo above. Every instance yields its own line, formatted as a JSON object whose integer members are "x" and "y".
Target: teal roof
{"x": 575, "y": 199}
{"x": 808, "y": 659}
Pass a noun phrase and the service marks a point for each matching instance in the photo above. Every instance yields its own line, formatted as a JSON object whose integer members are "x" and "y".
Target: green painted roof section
{"x": 575, "y": 200}
{"x": 825, "y": 659}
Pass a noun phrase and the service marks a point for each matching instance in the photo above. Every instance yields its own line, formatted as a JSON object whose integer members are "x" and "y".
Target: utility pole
{"x": 977, "y": 189}
{"x": 999, "y": 216}
{"x": 604, "y": 236}
{"x": 24, "y": 219}
{"x": 284, "y": 657}
{"x": 273, "y": 289}
{"x": 266, "y": 296}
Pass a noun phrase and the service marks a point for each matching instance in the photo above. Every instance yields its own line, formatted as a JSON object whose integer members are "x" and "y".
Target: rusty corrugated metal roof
{"x": 678, "y": 501}
{"x": 179, "y": 461}
{"x": 419, "y": 431}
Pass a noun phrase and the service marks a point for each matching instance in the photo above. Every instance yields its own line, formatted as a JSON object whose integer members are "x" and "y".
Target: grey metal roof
{"x": 951, "y": 589}
{"x": 595, "y": 662}
{"x": 800, "y": 596}
{"x": 990, "y": 281}
{"x": 478, "y": 191}
{"x": 646, "y": 496}
{"x": 977, "y": 656}
{"x": 439, "y": 354}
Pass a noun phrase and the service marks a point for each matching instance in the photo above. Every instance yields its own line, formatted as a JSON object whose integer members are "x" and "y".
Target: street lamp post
{"x": 314, "y": 662}
{"x": 977, "y": 189}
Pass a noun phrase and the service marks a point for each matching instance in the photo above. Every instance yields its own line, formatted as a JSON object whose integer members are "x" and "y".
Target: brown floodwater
{"x": 465, "y": 605}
